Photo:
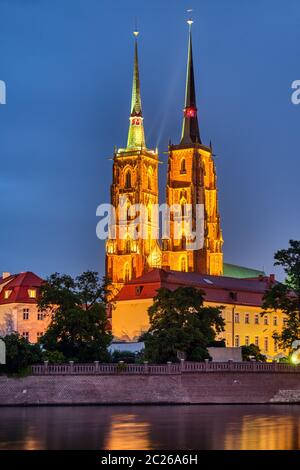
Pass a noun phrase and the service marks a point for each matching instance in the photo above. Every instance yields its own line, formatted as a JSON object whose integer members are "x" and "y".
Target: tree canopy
{"x": 78, "y": 327}
{"x": 286, "y": 296}
{"x": 179, "y": 323}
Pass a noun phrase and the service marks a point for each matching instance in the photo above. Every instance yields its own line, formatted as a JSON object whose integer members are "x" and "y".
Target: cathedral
{"x": 191, "y": 180}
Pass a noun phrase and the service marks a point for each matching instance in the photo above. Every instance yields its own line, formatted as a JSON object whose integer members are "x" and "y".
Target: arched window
{"x": 183, "y": 242}
{"x": 182, "y": 205}
{"x": 149, "y": 178}
{"x": 126, "y": 273}
{"x": 183, "y": 264}
{"x": 128, "y": 246}
{"x": 128, "y": 179}
{"x": 149, "y": 212}
{"x": 182, "y": 166}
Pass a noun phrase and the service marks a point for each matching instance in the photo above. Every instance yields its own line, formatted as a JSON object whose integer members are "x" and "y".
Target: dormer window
{"x": 7, "y": 294}
{"x": 32, "y": 293}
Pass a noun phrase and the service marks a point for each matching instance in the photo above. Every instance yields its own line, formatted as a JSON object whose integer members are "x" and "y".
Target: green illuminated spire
{"x": 136, "y": 136}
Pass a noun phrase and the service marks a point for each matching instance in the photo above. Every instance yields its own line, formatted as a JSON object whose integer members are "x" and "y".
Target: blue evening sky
{"x": 67, "y": 65}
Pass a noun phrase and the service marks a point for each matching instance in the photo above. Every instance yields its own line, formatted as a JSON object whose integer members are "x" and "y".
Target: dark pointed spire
{"x": 136, "y": 137}
{"x": 190, "y": 128}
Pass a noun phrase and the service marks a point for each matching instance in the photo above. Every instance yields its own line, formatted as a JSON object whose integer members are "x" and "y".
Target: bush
{"x": 128, "y": 357}
{"x": 20, "y": 354}
{"x": 54, "y": 357}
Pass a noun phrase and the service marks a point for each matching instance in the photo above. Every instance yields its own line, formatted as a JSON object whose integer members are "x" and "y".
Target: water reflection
{"x": 152, "y": 427}
{"x": 128, "y": 432}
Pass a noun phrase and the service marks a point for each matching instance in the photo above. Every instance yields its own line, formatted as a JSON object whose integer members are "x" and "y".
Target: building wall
{"x": 130, "y": 319}
{"x": 13, "y": 318}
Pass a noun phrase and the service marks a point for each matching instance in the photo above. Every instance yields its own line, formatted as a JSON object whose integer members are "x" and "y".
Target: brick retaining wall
{"x": 188, "y": 388}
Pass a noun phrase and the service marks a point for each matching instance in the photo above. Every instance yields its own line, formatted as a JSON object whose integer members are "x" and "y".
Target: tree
{"x": 286, "y": 296}
{"x": 252, "y": 352}
{"x": 20, "y": 353}
{"x": 179, "y": 323}
{"x": 78, "y": 328}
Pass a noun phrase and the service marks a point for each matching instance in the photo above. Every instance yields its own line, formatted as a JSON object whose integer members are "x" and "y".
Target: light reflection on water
{"x": 152, "y": 427}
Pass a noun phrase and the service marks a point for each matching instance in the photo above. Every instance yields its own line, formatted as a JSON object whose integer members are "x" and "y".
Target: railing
{"x": 121, "y": 368}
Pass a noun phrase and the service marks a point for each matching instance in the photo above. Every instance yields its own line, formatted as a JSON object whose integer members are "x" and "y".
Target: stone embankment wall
{"x": 188, "y": 388}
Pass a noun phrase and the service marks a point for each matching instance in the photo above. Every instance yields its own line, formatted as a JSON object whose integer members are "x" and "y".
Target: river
{"x": 151, "y": 427}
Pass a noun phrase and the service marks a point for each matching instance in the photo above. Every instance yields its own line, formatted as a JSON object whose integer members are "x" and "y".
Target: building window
{"x": 126, "y": 273}
{"x": 32, "y": 293}
{"x": 247, "y": 340}
{"x": 128, "y": 246}
{"x": 183, "y": 242}
{"x": 237, "y": 341}
{"x": 183, "y": 264}
{"x": 40, "y": 316}
{"x": 284, "y": 321}
{"x": 25, "y": 313}
{"x": 128, "y": 179}
{"x": 236, "y": 317}
{"x": 256, "y": 319}
{"x": 149, "y": 179}
{"x": 183, "y": 167}
{"x": 275, "y": 346}
{"x": 7, "y": 294}
{"x": 275, "y": 321}
{"x": 256, "y": 341}
{"x": 247, "y": 318}
{"x": 266, "y": 320}
{"x": 39, "y": 335}
{"x": 25, "y": 335}
{"x": 266, "y": 344}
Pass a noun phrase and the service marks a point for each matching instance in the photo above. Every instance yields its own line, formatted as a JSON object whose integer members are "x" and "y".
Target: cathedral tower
{"x": 192, "y": 180}
{"x": 130, "y": 253}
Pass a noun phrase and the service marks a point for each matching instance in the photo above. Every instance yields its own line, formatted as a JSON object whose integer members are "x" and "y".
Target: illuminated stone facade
{"x": 191, "y": 180}
{"x": 135, "y": 181}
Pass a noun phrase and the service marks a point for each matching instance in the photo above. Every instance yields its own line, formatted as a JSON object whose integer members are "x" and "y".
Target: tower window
{"x": 126, "y": 273}
{"x": 183, "y": 167}
{"x": 149, "y": 179}
{"x": 128, "y": 246}
{"x": 128, "y": 179}
{"x": 183, "y": 264}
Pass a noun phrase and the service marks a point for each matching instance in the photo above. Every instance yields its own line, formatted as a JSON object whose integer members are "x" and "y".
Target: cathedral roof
{"x": 220, "y": 289}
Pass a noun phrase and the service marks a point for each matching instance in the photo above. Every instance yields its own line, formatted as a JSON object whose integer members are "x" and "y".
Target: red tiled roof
{"x": 217, "y": 288}
{"x": 19, "y": 284}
